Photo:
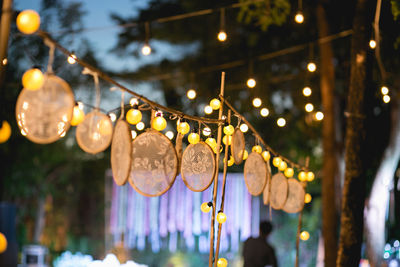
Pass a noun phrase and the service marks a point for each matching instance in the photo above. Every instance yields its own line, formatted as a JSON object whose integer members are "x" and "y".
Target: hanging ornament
{"x": 251, "y": 83}
{"x": 33, "y": 79}
{"x": 5, "y": 132}
{"x": 266, "y": 155}
{"x": 28, "y": 21}
{"x": 257, "y": 149}
{"x": 3, "y": 243}
{"x": 295, "y": 197}
{"x": 276, "y": 161}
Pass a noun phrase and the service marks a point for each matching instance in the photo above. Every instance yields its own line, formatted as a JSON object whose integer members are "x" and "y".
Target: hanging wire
{"x": 51, "y": 55}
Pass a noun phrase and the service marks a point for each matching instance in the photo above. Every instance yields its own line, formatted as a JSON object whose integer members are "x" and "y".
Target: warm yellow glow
{"x": 281, "y": 122}
{"x": 133, "y": 116}
{"x": 276, "y": 161}
{"x": 311, "y": 67}
{"x": 194, "y": 138}
{"x": 206, "y": 131}
{"x": 105, "y": 126}
{"x": 289, "y": 172}
{"x": 302, "y": 176}
{"x": 112, "y": 116}
{"x": 386, "y": 99}
{"x": 211, "y": 142}
{"x": 206, "y": 207}
{"x": 222, "y": 262}
{"x": 251, "y": 83}
{"x": 140, "y": 126}
{"x": 28, "y": 21}
{"x": 33, "y": 79}
{"x": 299, "y": 18}
{"x": 310, "y": 176}
{"x": 133, "y": 101}
{"x": 245, "y": 154}
{"x": 257, "y": 102}
{"x": 5, "y": 132}
{"x": 221, "y": 217}
{"x": 191, "y": 94}
{"x": 264, "y": 112}
{"x": 183, "y": 128}
{"x": 282, "y": 166}
{"x": 372, "y": 44}
{"x": 266, "y": 155}
{"x": 222, "y": 36}
{"x": 71, "y": 59}
{"x": 384, "y": 90}
{"x": 169, "y": 134}
{"x": 307, "y": 91}
{"x": 77, "y": 116}
{"x": 304, "y": 235}
{"x": 159, "y": 123}
{"x": 319, "y": 116}
{"x": 208, "y": 109}
{"x": 229, "y": 129}
{"x": 257, "y": 149}
{"x": 227, "y": 138}
{"x": 3, "y": 243}
{"x": 146, "y": 50}
{"x": 231, "y": 161}
{"x": 309, "y": 107}
{"x": 4, "y": 61}
{"x": 134, "y": 134}
{"x": 307, "y": 198}
{"x": 215, "y": 104}
{"x": 244, "y": 128}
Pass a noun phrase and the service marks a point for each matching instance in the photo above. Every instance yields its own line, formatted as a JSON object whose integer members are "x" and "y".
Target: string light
{"x": 310, "y": 176}
{"x": 146, "y": 50}
{"x": 257, "y": 102}
{"x": 289, "y": 172}
{"x": 206, "y": 131}
{"x": 266, "y": 155}
{"x": 302, "y": 176}
{"x": 113, "y": 117}
{"x": 319, "y": 116}
{"x": 276, "y": 161}
{"x": 193, "y": 138}
{"x": 386, "y": 99}
{"x": 372, "y": 44}
{"x": 221, "y": 217}
{"x": 229, "y": 129}
{"x": 245, "y": 154}
{"x": 307, "y": 198}
{"x": 206, "y": 207}
{"x": 208, "y": 109}
{"x": 140, "y": 126}
{"x": 257, "y": 149}
{"x": 169, "y": 134}
{"x": 5, "y": 132}
{"x": 244, "y": 128}
{"x": 251, "y": 83}
{"x": 134, "y": 134}
{"x": 33, "y": 79}
{"x": 77, "y": 116}
{"x": 264, "y": 112}
{"x": 281, "y": 122}
{"x": 71, "y": 59}
{"x": 299, "y": 17}
{"x": 28, "y": 21}
{"x": 311, "y": 67}
{"x": 222, "y": 36}
{"x": 133, "y": 116}
{"x": 183, "y": 128}
{"x": 307, "y": 91}
{"x": 222, "y": 262}
{"x": 304, "y": 235}
{"x": 215, "y": 104}
{"x": 4, "y": 61}
{"x": 309, "y": 107}
{"x": 384, "y": 90}
{"x": 191, "y": 94}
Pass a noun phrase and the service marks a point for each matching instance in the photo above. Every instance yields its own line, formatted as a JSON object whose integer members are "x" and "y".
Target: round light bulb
{"x": 208, "y": 109}
{"x": 3, "y": 243}
{"x": 299, "y": 17}
{"x": 222, "y": 36}
{"x": 5, "y": 132}
{"x": 191, "y": 94}
{"x": 227, "y": 138}
{"x": 307, "y": 198}
{"x": 77, "y": 116}
{"x": 33, "y": 79}
{"x": 206, "y": 207}
{"x": 307, "y": 91}
{"x": 386, "y": 99}
{"x": 4, "y": 61}
{"x": 231, "y": 161}
{"x": 276, "y": 161}
{"x": 251, "y": 83}
{"x": 264, "y": 112}
{"x": 245, "y": 154}
{"x": 372, "y": 44}
{"x": 304, "y": 235}
{"x": 28, "y": 21}
{"x": 159, "y": 123}
{"x": 319, "y": 116}
{"x": 244, "y": 128}
{"x": 71, "y": 59}
{"x": 211, "y": 142}
{"x": 229, "y": 129}
{"x": 384, "y": 90}
{"x": 112, "y": 116}
{"x": 302, "y": 176}
{"x": 309, "y": 107}
{"x": 221, "y": 217}
{"x": 310, "y": 176}
{"x": 282, "y": 166}
{"x": 311, "y": 67}
{"x": 257, "y": 102}
{"x": 257, "y": 149}
{"x": 281, "y": 122}
{"x": 183, "y": 128}
{"x": 169, "y": 134}
{"x": 146, "y": 50}
{"x": 206, "y": 131}
{"x": 222, "y": 262}
{"x": 133, "y": 116}
{"x": 194, "y": 138}
{"x": 289, "y": 172}
{"x": 140, "y": 126}
{"x": 266, "y": 155}
{"x": 133, "y": 101}
{"x": 215, "y": 104}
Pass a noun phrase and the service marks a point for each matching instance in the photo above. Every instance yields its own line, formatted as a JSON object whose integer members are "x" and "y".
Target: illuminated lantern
{"x": 78, "y": 116}
{"x": 307, "y": 198}
{"x": 304, "y": 235}
{"x": 133, "y": 116}
{"x": 183, "y": 128}
{"x": 227, "y": 138}
{"x": 159, "y": 123}
{"x": 193, "y": 138}
{"x": 289, "y": 172}
{"x": 206, "y": 207}
{"x": 33, "y": 79}
{"x": 28, "y": 21}
{"x": 140, "y": 126}
{"x": 302, "y": 176}
{"x": 5, "y": 132}
{"x": 221, "y": 217}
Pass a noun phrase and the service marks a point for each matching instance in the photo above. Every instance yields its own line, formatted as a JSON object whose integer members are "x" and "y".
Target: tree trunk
{"x": 40, "y": 220}
{"x": 351, "y": 231}
{"x": 330, "y": 165}
{"x": 377, "y": 205}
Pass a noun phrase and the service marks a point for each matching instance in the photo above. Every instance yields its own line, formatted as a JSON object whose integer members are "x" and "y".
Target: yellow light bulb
{"x": 133, "y": 101}
{"x": 372, "y": 44}
{"x": 159, "y": 123}
{"x": 222, "y": 262}
{"x": 228, "y": 130}
{"x": 276, "y": 161}
{"x": 266, "y": 155}
{"x": 245, "y": 154}
{"x": 194, "y": 138}
{"x": 289, "y": 172}
{"x": 222, "y": 36}
{"x": 231, "y": 161}
{"x": 33, "y": 79}
{"x": 221, "y": 217}
{"x": 169, "y": 134}
{"x": 307, "y": 198}
{"x": 227, "y": 138}
{"x": 281, "y": 122}
{"x": 215, "y": 104}
{"x": 251, "y": 83}
{"x": 183, "y": 128}
{"x": 302, "y": 176}
{"x": 264, "y": 112}
{"x": 257, "y": 149}
{"x": 307, "y": 91}
{"x": 133, "y": 116}
{"x": 319, "y": 116}
{"x": 311, "y": 67}
{"x": 384, "y": 90}
{"x": 71, "y": 59}
{"x": 309, "y": 107}
{"x": 282, "y": 166}
{"x": 77, "y": 116}
{"x": 206, "y": 131}
{"x": 211, "y": 141}
{"x": 191, "y": 94}
{"x": 386, "y": 99}
{"x": 206, "y": 207}
{"x": 3, "y": 243}
{"x": 28, "y": 21}
{"x": 304, "y": 235}
{"x": 140, "y": 126}
{"x": 5, "y": 132}
{"x": 244, "y": 128}
{"x": 310, "y": 176}
{"x": 299, "y": 18}
{"x": 208, "y": 109}
{"x": 146, "y": 50}
{"x": 257, "y": 102}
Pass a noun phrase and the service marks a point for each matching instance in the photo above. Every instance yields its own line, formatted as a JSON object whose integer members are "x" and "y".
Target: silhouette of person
{"x": 257, "y": 252}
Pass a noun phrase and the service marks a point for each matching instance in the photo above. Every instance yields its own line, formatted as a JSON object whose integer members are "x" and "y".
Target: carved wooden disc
{"x": 295, "y": 199}
{"x": 154, "y": 164}
{"x": 267, "y": 189}
{"x": 255, "y": 174}
{"x": 44, "y": 115}
{"x": 279, "y": 191}
{"x": 121, "y": 152}
{"x": 198, "y": 166}
{"x": 238, "y": 146}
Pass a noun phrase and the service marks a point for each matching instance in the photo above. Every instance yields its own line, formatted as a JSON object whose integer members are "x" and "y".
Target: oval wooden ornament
{"x": 255, "y": 174}
{"x": 154, "y": 164}
{"x": 44, "y": 115}
{"x": 121, "y": 152}
{"x": 279, "y": 191}
{"x": 295, "y": 199}
{"x": 198, "y": 166}
{"x": 267, "y": 188}
{"x": 238, "y": 146}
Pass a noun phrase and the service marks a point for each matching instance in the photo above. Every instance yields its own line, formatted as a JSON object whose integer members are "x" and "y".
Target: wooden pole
{"x": 215, "y": 189}
{"x": 6, "y": 14}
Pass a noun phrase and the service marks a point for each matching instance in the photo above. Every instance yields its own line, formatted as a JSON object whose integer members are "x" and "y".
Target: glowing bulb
{"x": 215, "y": 104}
{"x": 264, "y": 112}
{"x": 208, "y": 109}
{"x": 372, "y": 44}
{"x": 244, "y": 128}
{"x": 251, "y": 83}
{"x": 307, "y": 198}
{"x": 113, "y": 117}
{"x": 146, "y": 50}
{"x": 222, "y": 262}
{"x": 169, "y": 134}
{"x": 191, "y": 94}
{"x": 384, "y": 90}
{"x": 71, "y": 59}
{"x": 183, "y": 128}
{"x": 159, "y": 123}
{"x": 211, "y": 142}
{"x": 3, "y": 243}
{"x": 309, "y": 107}
{"x": 140, "y": 126}
{"x": 310, "y": 176}
{"x": 133, "y": 116}
{"x": 282, "y": 166}
{"x": 319, "y": 116}
{"x": 276, "y": 161}
{"x": 245, "y": 154}
{"x": 289, "y": 172}
{"x": 206, "y": 207}
{"x": 281, "y": 122}
{"x": 33, "y": 79}
{"x": 257, "y": 149}
{"x": 222, "y": 36}
{"x": 5, "y": 132}
{"x": 311, "y": 67}
{"x": 302, "y": 176}
{"x": 386, "y": 99}
{"x": 307, "y": 91}
{"x": 28, "y": 21}
{"x": 77, "y": 116}
{"x": 134, "y": 134}
{"x": 304, "y": 235}
{"x": 266, "y": 155}
{"x": 221, "y": 217}
{"x": 133, "y": 101}
{"x": 299, "y": 18}
{"x": 4, "y": 61}
{"x": 206, "y": 131}
{"x": 194, "y": 138}
{"x": 257, "y": 102}
{"x": 227, "y": 138}
{"x": 229, "y": 129}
